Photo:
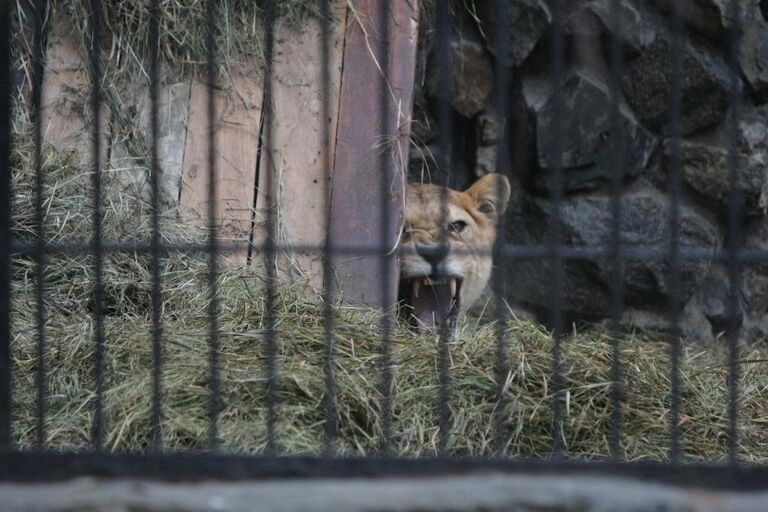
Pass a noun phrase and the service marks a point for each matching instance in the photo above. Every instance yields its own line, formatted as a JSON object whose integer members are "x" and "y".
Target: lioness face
{"x": 447, "y": 244}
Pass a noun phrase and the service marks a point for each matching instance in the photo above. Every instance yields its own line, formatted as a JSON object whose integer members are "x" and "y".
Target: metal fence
{"x": 40, "y": 464}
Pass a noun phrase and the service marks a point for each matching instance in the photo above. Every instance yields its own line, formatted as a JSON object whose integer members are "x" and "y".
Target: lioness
{"x": 446, "y": 246}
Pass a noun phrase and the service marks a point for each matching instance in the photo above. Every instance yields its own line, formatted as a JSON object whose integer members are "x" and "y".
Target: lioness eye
{"x": 457, "y": 227}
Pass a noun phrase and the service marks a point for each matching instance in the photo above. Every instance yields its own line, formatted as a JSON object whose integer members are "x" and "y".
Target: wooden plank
{"x": 130, "y": 162}
{"x": 301, "y": 199}
{"x": 66, "y": 94}
{"x": 238, "y": 117}
{"x": 356, "y": 215}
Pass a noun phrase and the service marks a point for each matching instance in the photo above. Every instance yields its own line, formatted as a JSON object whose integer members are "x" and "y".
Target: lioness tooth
{"x": 416, "y": 288}
{"x": 428, "y": 281}
{"x": 452, "y": 284}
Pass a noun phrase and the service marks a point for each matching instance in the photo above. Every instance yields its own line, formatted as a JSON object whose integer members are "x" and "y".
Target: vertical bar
{"x": 386, "y": 227}
{"x": 155, "y": 174}
{"x": 98, "y": 251}
{"x": 502, "y": 86}
{"x": 331, "y": 425}
{"x": 675, "y": 307}
{"x": 270, "y": 253}
{"x": 5, "y": 227}
{"x": 614, "y": 256}
{"x": 445, "y": 130}
{"x": 40, "y": 254}
{"x": 554, "y": 229}
{"x": 734, "y": 235}
{"x": 213, "y": 254}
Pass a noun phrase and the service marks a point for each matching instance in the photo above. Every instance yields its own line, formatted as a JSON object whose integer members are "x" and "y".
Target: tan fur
{"x": 426, "y": 221}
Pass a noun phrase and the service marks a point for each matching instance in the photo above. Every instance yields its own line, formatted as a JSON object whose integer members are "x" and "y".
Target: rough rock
{"x": 579, "y": 128}
{"x": 755, "y": 279}
{"x": 640, "y": 28}
{"x": 489, "y": 129}
{"x": 706, "y": 170}
{"x": 489, "y": 135}
{"x": 752, "y": 138}
{"x": 527, "y": 21}
{"x": 486, "y": 160}
{"x": 753, "y": 52}
{"x": 422, "y": 163}
{"x": 709, "y": 17}
{"x": 713, "y": 300}
{"x": 647, "y": 77}
{"x": 586, "y": 221}
{"x": 637, "y": 26}
{"x": 471, "y": 77}
{"x": 423, "y": 125}
{"x": 693, "y": 325}
{"x": 705, "y": 86}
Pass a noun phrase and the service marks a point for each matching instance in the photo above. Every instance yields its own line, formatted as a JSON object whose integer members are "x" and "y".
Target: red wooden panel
{"x": 299, "y": 202}
{"x": 356, "y": 216}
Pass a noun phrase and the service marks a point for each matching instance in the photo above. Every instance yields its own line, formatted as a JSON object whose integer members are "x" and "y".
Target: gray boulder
{"x": 709, "y": 17}
{"x": 586, "y": 221}
{"x": 640, "y": 28}
{"x": 753, "y": 52}
{"x": 471, "y": 77}
{"x": 647, "y": 77}
{"x": 577, "y": 130}
{"x": 527, "y": 21}
{"x": 705, "y": 169}
{"x": 637, "y": 26}
{"x": 489, "y": 128}
{"x": 755, "y": 279}
{"x": 705, "y": 86}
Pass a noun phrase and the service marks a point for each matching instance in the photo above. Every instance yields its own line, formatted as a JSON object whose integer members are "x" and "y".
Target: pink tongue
{"x": 433, "y": 305}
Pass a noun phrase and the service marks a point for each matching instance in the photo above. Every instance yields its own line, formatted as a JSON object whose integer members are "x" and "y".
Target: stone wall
{"x": 576, "y": 122}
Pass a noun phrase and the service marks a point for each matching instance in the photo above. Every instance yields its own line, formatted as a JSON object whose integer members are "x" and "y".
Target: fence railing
{"x": 41, "y": 464}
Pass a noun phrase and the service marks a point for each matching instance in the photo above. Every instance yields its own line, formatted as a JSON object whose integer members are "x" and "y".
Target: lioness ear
{"x": 491, "y": 194}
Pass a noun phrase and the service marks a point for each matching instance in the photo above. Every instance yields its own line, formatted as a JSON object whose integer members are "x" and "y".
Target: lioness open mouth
{"x": 431, "y": 301}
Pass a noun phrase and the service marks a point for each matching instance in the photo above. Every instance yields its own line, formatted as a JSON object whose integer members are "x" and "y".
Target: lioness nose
{"x": 433, "y": 253}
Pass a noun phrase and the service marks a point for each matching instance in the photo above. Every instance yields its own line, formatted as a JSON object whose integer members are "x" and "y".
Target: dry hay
{"x": 70, "y": 354}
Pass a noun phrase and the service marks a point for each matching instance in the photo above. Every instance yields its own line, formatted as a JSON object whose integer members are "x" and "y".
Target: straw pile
{"x": 183, "y": 28}
{"x": 70, "y": 353}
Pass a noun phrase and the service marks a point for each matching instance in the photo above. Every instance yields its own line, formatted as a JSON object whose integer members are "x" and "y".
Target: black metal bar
{"x": 554, "y": 232}
{"x": 675, "y": 186}
{"x": 213, "y": 242}
{"x": 6, "y": 80}
{"x": 46, "y": 467}
{"x": 617, "y": 284}
{"x": 98, "y": 252}
{"x": 155, "y": 176}
{"x": 331, "y": 423}
{"x": 38, "y": 64}
{"x": 445, "y": 138}
{"x": 502, "y": 86}
{"x": 733, "y": 235}
{"x": 508, "y": 251}
{"x": 270, "y": 252}
{"x": 387, "y": 319}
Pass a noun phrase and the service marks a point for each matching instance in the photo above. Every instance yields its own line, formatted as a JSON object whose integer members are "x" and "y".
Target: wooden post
{"x": 356, "y": 216}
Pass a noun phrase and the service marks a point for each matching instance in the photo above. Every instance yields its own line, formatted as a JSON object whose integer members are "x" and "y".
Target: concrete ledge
{"x": 479, "y": 492}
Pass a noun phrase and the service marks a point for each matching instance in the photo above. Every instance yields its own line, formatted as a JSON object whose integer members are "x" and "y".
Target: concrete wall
{"x": 479, "y": 492}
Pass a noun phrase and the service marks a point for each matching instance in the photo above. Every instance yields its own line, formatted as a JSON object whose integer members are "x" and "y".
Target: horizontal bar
{"x": 508, "y": 251}
{"x": 47, "y": 467}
